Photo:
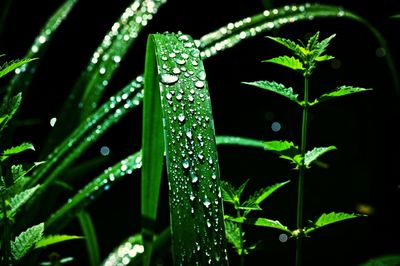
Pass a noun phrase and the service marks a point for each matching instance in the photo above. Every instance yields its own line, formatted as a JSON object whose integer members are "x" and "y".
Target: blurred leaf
{"x": 89, "y": 232}
{"x": 386, "y": 260}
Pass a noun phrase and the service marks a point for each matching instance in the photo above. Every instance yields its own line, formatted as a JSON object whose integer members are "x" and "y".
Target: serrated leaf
{"x": 286, "y": 61}
{"x": 341, "y": 91}
{"x": 330, "y": 218}
{"x": 54, "y": 239}
{"x": 312, "y": 42}
{"x": 294, "y": 47}
{"x": 17, "y": 149}
{"x": 9, "y": 108}
{"x": 254, "y": 200}
{"x": 264, "y": 222}
{"x": 313, "y": 155}
{"x": 20, "y": 199}
{"x": 285, "y": 149}
{"x": 321, "y": 46}
{"x": 275, "y": 87}
{"x": 12, "y": 65}
{"x": 232, "y": 232}
{"x": 26, "y": 240}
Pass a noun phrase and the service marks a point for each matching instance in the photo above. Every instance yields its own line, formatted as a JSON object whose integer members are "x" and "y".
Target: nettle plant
{"x": 303, "y": 61}
{"x": 14, "y": 192}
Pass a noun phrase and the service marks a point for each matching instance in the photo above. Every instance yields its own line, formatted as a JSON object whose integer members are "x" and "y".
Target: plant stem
{"x": 302, "y": 169}
{"x": 241, "y": 240}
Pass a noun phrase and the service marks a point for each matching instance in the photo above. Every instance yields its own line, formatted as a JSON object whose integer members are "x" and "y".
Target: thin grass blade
{"x": 89, "y": 232}
{"x": 25, "y": 73}
{"x": 179, "y": 92}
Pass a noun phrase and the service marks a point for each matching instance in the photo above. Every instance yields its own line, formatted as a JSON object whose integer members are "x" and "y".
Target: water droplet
{"x": 179, "y": 97}
{"x": 53, "y": 121}
{"x": 172, "y": 55}
{"x": 180, "y": 61}
{"x": 185, "y": 164}
{"x": 201, "y": 75}
{"x": 206, "y": 202}
{"x": 189, "y": 134}
{"x": 181, "y": 118}
{"x": 169, "y": 79}
{"x": 176, "y": 70}
{"x": 199, "y": 84}
{"x": 194, "y": 178}
{"x": 117, "y": 58}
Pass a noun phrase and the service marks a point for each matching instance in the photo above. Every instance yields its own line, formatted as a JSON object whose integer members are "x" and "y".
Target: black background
{"x": 364, "y": 127}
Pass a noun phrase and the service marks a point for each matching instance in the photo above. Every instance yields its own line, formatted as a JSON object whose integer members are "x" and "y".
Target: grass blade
{"x": 179, "y": 92}
{"x": 25, "y": 73}
{"x": 97, "y": 186}
{"x": 89, "y": 232}
{"x": 54, "y": 239}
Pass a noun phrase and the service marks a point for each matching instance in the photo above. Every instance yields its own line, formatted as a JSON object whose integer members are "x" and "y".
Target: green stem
{"x": 300, "y": 191}
{"x": 241, "y": 240}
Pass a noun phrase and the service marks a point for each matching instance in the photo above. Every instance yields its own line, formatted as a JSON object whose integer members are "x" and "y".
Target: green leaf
{"x": 20, "y": 199}
{"x": 330, "y": 218}
{"x": 233, "y": 140}
{"x": 312, "y": 42}
{"x": 341, "y": 91}
{"x": 324, "y": 58}
{"x": 15, "y": 150}
{"x": 233, "y": 235}
{"x": 191, "y": 154}
{"x": 258, "y": 197}
{"x": 386, "y": 260}
{"x": 321, "y": 46}
{"x": 315, "y": 153}
{"x": 263, "y": 222}
{"x": 10, "y": 66}
{"x": 26, "y": 240}
{"x": 286, "y": 61}
{"x": 285, "y": 149}
{"x": 8, "y": 109}
{"x": 294, "y": 47}
{"x": 54, "y": 239}
{"x": 275, "y": 87}
{"x": 228, "y": 192}
{"x": 89, "y": 232}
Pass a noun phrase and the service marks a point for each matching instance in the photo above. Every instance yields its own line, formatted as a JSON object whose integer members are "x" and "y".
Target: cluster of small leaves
{"x": 13, "y": 190}
{"x": 233, "y": 229}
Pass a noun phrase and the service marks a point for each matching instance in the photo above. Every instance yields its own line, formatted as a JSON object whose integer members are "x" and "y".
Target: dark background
{"x": 362, "y": 172}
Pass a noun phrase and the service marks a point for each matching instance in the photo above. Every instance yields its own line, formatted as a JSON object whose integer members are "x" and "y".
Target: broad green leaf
{"x": 258, "y": 197}
{"x": 275, "y": 87}
{"x": 264, "y": 222}
{"x": 386, "y": 260}
{"x": 341, "y": 91}
{"x": 89, "y": 232}
{"x": 190, "y": 147}
{"x": 315, "y": 153}
{"x": 21, "y": 198}
{"x": 54, "y": 239}
{"x": 10, "y": 66}
{"x": 289, "y": 62}
{"x": 15, "y": 150}
{"x": 26, "y": 240}
{"x": 330, "y": 218}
